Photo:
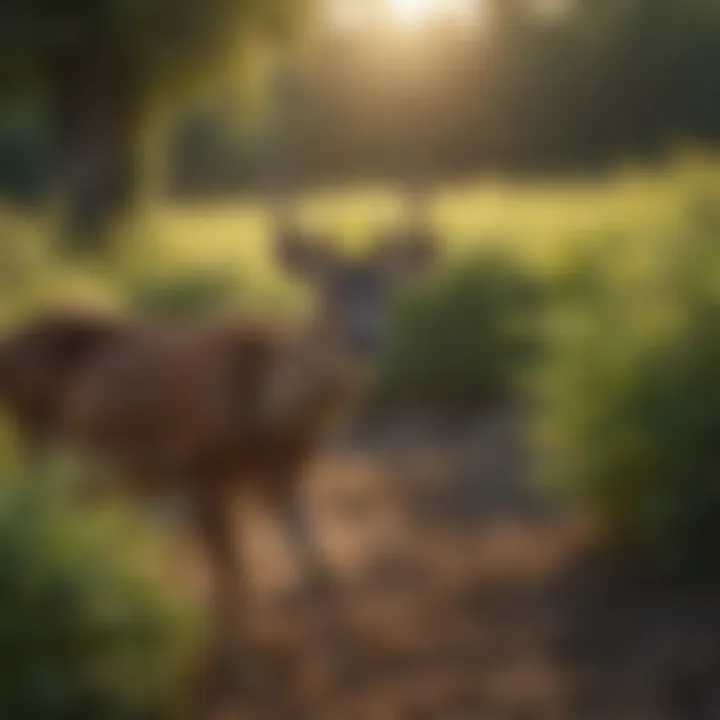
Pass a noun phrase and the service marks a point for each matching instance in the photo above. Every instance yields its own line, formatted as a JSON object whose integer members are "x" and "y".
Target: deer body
{"x": 205, "y": 412}
{"x": 204, "y": 407}
{"x": 40, "y": 362}
{"x": 208, "y": 410}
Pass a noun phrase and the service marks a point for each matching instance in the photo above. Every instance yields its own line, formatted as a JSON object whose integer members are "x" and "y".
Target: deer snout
{"x": 362, "y": 333}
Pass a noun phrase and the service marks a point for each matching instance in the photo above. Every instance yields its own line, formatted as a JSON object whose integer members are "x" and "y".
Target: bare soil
{"x": 465, "y": 594}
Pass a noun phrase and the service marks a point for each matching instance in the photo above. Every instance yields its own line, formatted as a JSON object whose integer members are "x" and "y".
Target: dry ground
{"x": 465, "y": 596}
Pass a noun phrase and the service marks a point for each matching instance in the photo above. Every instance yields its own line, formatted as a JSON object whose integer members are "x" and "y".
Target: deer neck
{"x": 314, "y": 379}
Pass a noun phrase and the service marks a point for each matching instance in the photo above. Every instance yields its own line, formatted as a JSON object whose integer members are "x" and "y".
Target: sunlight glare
{"x": 413, "y": 12}
{"x": 345, "y": 15}
{"x": 423, "y": 12}
{"x": 352, "y": 15}
{"x": 468, "y": 10}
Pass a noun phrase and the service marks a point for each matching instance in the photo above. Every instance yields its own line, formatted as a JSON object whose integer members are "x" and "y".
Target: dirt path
{"x": 464, "y": 600}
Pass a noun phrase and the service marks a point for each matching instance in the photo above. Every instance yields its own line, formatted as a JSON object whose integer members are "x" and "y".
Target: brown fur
{"x": 39, "y": 362}
{"x": 207, "y": 409}
{"x": 196, "y": 400}
{"x": 202, "y": 410}
{"x": 198, "y": 405}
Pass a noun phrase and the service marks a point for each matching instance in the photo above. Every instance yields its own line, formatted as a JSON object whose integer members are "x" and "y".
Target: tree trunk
{"x": 95, "y": 118}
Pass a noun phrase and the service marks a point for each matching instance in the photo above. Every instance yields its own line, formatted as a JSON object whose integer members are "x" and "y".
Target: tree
{"x": 103, "y": 68}
{"x": 523, "y": 90}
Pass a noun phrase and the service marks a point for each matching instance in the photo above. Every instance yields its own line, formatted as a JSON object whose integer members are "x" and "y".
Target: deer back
{"x": 39, "y": 362}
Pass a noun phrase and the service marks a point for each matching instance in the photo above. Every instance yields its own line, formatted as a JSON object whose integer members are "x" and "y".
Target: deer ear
{"x": 302, "y": 255}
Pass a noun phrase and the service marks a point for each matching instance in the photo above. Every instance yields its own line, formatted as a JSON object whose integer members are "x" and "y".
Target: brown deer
{"x": 39, "y": 362}
{"x": 213, "y": 409}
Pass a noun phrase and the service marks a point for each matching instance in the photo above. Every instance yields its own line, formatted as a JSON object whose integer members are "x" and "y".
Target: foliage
{"x": 24, "y": 156}
{"x": 211, "y": 157}
{"x": 90, "y": 628}
{"x": 518, "y": 92}
{"x": 461, "y": 339}
{"x": 157, "y": 44}
{"x": 187, "y": 294}
{"x": 630, "y": 397}
{"x": 102, "y": 71}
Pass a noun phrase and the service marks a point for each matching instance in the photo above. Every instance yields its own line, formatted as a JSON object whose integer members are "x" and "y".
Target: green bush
{"x": 462, "y": 338}
{"x": 89, "y": 627}
{"x": 629, "y": 409}
{"x": 184, "y": 294}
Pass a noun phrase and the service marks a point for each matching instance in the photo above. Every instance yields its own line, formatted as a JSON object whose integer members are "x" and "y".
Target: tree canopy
{"x": 521, "y": 91}
{"x": 99, "y": 67}
{"x": 159, "y": 45}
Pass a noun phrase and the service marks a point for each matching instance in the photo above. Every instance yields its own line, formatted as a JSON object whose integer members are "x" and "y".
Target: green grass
{"x": 540, "y": 221}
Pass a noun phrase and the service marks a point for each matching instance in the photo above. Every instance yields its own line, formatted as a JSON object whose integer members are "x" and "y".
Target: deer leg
{"x": 298, "y": 528}
{"x": 213, "y": 516}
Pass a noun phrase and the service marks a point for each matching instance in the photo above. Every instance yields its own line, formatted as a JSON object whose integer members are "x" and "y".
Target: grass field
{"x": 541, "y": 216}
{"x": 538, "y": 223}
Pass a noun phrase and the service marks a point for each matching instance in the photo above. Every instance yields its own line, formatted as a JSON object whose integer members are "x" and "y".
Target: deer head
{"x": 354, "y": 296}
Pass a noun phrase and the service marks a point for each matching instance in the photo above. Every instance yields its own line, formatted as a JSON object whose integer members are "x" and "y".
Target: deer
{"x": 212, "y": 409}
{"x": 39, "y": 361}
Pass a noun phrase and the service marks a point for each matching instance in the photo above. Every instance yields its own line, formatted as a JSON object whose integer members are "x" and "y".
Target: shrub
{"x": 630, "y": 400}
{"x": 183, "y": 294}
{"x": 461, "y": 339}
{"x": 89, "y": 629}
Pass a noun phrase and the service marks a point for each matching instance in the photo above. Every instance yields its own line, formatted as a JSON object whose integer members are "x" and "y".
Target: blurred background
{"x": 528, "y": 519}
